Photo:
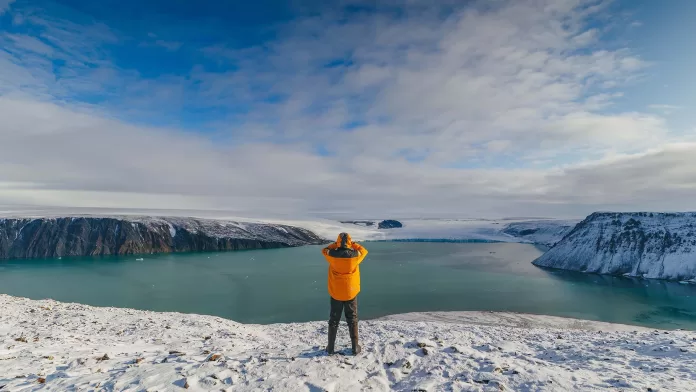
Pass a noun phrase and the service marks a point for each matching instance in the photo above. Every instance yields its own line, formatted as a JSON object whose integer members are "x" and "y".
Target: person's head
{"x": 344, "y": 240}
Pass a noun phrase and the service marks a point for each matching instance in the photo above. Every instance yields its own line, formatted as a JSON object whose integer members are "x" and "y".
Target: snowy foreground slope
{"x": 648, "y": 245}
{"x": 47, "y": 345}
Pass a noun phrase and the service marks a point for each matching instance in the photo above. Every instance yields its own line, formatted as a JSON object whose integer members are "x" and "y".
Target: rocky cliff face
{"x": 648, "y": 245}
{"x": 85, "y": 236}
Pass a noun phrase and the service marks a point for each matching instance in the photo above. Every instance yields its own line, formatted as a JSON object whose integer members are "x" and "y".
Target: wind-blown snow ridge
{"x": 643, "y": 244}
{"x": 510, "y": 319}
{"x": 53, "y": 346}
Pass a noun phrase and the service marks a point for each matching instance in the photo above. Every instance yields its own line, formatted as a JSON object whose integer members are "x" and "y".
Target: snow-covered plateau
{"x": 643, "y": 244}
{"x": 53, "y": 346}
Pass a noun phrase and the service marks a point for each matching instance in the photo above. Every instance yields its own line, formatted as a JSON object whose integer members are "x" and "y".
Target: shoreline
{"x": 509, "y": 319}
{"x": 467, "y": 317}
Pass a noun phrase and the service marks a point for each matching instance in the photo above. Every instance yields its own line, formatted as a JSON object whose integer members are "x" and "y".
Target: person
{"x": 344, "y": 257}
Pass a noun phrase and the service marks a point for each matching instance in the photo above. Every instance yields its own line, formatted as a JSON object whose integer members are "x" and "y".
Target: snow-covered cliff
{"x": 643, "y": 244}
{"x": 117, "y": 235}
{"x": 542, "y": 232}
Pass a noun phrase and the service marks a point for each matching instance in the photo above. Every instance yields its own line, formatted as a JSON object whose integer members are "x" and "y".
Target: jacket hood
{"x": 344, "y": 240}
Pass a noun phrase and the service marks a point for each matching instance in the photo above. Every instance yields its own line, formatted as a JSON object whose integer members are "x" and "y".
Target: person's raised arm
{"x": 326, "y": 250}
{"x": 362, "y": 250}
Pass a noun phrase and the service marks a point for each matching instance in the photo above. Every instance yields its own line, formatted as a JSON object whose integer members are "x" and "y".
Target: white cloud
{"x": 25, "y": 42}
{"x": 496, "y": 146}
{"x": 586, "y": 37}
{"x": 664, "y": 109}
{"x": 512, "y": 73}
{"x": 438, "y": 107}
{"x": 5, "y": 5}
{"x": 660, "y": 178}
{"x": 171, "y": 46}
{"x": 78, "y": 159}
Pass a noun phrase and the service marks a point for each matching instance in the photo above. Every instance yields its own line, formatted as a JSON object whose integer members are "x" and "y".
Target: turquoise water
{"x": 286, "y": 285}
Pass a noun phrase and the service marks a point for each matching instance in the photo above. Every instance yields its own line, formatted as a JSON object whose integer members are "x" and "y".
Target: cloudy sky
{"x": 358, "y": 108}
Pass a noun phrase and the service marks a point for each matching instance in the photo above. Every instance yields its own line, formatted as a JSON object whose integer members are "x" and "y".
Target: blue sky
{"x": 533, "y": 107}
{"x": 661, "y": 37}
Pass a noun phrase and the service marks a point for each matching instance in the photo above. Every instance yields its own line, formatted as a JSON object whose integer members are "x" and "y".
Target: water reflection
{"x": 652, "y": 302}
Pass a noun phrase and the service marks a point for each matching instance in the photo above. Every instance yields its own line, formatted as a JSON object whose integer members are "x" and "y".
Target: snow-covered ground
{"x": 47, "y": 345}
{"x": 518, "y": 320}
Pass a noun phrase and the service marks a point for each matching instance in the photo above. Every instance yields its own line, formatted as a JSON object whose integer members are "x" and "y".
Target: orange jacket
{"x": 344, "y": 270}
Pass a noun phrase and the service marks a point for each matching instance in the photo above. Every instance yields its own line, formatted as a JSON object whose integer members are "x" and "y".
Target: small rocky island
{"x": 385, "y": 224}
{"x": 389, "y": 224}
{"x": 125, "y": 235}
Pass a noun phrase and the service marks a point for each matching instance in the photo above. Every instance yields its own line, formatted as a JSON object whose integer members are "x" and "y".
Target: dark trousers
{"x": 350, "y": 308}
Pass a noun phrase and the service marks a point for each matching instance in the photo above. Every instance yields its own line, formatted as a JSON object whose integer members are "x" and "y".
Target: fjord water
{"x": 289, "y": 285}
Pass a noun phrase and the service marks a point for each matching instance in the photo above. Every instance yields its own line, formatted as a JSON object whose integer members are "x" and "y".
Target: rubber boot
{"x": 333, "y": 330}
{"x": 354, "y": 341}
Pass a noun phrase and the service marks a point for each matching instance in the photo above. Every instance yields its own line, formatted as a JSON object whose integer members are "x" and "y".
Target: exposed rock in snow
{"x": 542, "y": 232}
{"x": 360, "y": 223}
{"x": 384, "y": 224}
{"x": 389, "y": 224}
{"x": 118, "y": 235}
{"x": 128, "y": 350}
{"x": 648, "y": 245}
